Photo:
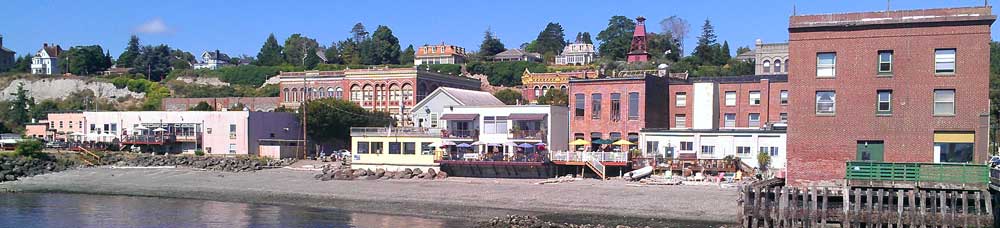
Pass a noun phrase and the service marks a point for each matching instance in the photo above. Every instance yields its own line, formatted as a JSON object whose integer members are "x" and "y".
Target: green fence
{"x": 918, "y": 172}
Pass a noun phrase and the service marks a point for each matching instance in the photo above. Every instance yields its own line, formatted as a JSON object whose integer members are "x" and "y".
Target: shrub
{"x": 199, "y": 152}
{"x": 30, "y": 148}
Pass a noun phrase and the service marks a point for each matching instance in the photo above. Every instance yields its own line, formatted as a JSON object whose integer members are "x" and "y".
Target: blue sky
{"x": 240, "y": 27}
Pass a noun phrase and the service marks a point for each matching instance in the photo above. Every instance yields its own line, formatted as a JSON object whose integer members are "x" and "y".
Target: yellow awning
{"x": 623, "y": 142}
{"x": 954, "y": 137}
{"x": 579, "y": 142}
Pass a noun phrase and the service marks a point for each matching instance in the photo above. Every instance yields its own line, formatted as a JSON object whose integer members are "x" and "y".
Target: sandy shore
{"x": 586, "y": 201}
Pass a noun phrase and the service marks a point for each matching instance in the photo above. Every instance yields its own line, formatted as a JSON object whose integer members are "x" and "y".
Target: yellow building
{"x": 393, "y": 148}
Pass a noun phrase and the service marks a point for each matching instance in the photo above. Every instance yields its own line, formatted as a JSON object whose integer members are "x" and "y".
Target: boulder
{"x": 379, "y": 172}
{"x": 431, "y": 173}
{"x": 441, "y": 175}
{"x": 371, "y": 177}
{"x": 417, "y": 172}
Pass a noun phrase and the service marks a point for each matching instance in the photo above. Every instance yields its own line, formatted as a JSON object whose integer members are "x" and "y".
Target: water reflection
{"x": 74, "y": 210}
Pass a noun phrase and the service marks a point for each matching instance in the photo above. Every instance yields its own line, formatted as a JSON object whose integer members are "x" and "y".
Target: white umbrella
{"x": 141, "y": 128}
{"x": 476, "y": 143}
{"x": 447, "y": 143}
{"x": 435, "y": 144}
{"x": 510, "y": 144}
{"x": 76, "y": 134}
{"x": 159, "y": 129}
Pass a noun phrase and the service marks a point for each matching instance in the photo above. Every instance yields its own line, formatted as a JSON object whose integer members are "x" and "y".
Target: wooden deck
{"x": 694, "y": 165}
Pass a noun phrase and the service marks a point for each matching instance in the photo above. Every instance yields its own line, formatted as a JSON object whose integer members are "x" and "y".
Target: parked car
{"x": 55, "y": 145}
{"x": 994, "y": 161}
{"x": 343, "y": 153}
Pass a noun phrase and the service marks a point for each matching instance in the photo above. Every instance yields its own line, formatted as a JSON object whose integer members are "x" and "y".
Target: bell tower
{"x": 637, "y": 52}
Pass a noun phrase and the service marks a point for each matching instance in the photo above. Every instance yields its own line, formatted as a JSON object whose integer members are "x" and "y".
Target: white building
{"x": 502, "y": 127}
{"x": 213, "y": 60}
{"x": 46, "y": 60}
{"x": 576, "y": 54}
{"x": 439, "y": 54}
{"x": 427, "y": 112}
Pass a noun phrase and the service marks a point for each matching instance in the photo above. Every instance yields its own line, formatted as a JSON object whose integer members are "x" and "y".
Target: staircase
{"x": 97, "y": 159}
{"x": 595, "y": 164}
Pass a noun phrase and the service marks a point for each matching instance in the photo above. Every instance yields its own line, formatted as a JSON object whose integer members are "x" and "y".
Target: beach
{"x": 473, "y": 199}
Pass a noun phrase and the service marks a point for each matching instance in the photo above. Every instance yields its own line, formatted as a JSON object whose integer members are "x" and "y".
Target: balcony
{"x": 921, "y": 175}
{"x": 459, "y": 134}
{"x": 570, "y": 156}
{"x": 392, "y": 131}
{"x": 147, "y": 139}
{"x": 188, "y": 137}
{"x": 528, "y": 134}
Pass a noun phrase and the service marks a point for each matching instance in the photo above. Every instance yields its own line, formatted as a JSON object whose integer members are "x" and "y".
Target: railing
{"x": 527, "y": 134}
{"x": 570, "y": 156}
{"x": 918, "y": 172}
{"x": 391, "y": 131}
{"x": 494, "y": 157}
{"x": 188, "y": 137}
{"x": 457, "y": 134}
{"x": 156, "y": 139}
{"x": 595, "y": 162}
{"x": 694, "y": 164}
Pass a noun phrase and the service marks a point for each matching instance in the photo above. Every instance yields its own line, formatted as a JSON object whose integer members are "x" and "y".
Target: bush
{"x": 30, "y": 148}
{"x": 199, "y": 152}
{"x": 504, "y": 73}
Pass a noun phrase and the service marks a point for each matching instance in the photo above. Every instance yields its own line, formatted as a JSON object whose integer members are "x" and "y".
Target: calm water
{"x": 73, "y": 210}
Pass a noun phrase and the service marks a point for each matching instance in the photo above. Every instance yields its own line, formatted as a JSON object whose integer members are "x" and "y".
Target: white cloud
{"x": 155, "y": 26}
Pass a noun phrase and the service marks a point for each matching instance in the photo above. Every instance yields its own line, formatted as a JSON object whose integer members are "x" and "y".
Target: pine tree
{"x": 491, "y": 45}
{"x": 616, "y": 38}
{"x": 359, "y": 33}
{"x": 724, "y": 55}
{"x": 127, "y": 59}
{"x": 408, "y": 55}
{"x": 311, "y": 59}
{"x": 707, "y": 50}
{"x": 551, "y": 40}
{"x": 382, "y": 48}
{"x": 270, "y": 53}
{"x": 332, "y": 54}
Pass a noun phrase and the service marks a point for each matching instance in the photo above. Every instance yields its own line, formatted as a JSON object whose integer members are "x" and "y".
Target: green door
{"x": 870, "y": 151}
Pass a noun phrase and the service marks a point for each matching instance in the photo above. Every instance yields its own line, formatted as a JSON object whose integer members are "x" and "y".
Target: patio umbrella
{"x": 578, "y": 142}
{"x": 476, "y": 143}
{"x": 447, "y": 143}
{"x": 141, "y": 128}
{"x": 623, "y": 142}
{"x": 159, "y": 129}
{"x": 542, "y": 144}
{"x": 464, "y": 145}
{"x": 435, "y": 144}
{"x": 603, "y": 141}
{"x": 511, "y": 144}
{"x": 525, "y": 145}
{"x": 76, "y": 134}
{"x": 493, "y": 144}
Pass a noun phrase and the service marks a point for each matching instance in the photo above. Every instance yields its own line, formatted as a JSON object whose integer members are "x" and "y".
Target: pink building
{"x": 62, "y": 125}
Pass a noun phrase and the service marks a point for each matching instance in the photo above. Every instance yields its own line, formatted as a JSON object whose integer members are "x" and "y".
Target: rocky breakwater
{"x": 518, "y": 221}
{"x": 14, "y": 167}
{"x": 339, "y": 172}
{"x": 225, "y": 164}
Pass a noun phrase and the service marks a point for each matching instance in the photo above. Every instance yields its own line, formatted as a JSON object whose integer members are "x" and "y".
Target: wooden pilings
{"x": 856, "y": 207}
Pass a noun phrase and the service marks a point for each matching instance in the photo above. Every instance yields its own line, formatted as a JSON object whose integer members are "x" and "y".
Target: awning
{"x": 954, "y": 137}
{"x": 460, "y": 117}
{"x": 525, "y": 116}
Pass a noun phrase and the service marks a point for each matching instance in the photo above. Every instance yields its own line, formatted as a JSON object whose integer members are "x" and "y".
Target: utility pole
{"x": 305, "y": 98}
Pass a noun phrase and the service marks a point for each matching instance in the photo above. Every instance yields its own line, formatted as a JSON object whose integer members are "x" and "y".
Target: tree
{"x": 180, "y": 59}
{"x": 994, "y": 91}
{"x": 85, "y": 60}
{"x": 22, "y": 64}
{"x": 616, "y": 38}
{"x": 296, "y": 47}
{"x": 678, "y": 28}
{"x": 662, "y": 46}
{"x": 332, "y": 54}
{"x": 407, "y": 56}
{"x": 18, "y": 114}
{"x": 707, "y": 51}
{"x": 311, "y": 59}
{"x": 584, "y": 38}
{"x": 270, "y": 53}
{"x": 551, "y": 40}
{"x": 509, "y": 97}
{"x": 349, "y": 52}
{"x": 30, "y": 148}
{"x": 129, "y": 57}
{"x": 555, "y": 97}
{"x": 723, "y": 53}
{"x": 741, "y": 50}
{"x": 359, "y": 33}
{"x": 154, "y": 62}
{"x": 382, "y": 48}
{"x": 331, "y": 119}
{"x": 504, "y": 73}
{"x": 202, "y": 106}
{"x": 491, "y": 45}
{"x": 764, "y": 160}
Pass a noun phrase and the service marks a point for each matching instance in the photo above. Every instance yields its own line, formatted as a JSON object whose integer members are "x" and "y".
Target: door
{"x": 870, "y": 151}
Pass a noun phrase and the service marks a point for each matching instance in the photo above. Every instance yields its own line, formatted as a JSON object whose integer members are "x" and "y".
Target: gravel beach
{"x": 472, "y": 199}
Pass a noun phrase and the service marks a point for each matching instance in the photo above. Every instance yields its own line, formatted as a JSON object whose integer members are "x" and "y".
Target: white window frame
{"x": 833, "y": 102}
{"x": 887, "y": 100}
{"x": 783, "y": 97}
{"x": 681, "y": 98}
{"x": 680, "y": 121}
{"x": 939, "y": 99}
{"x": 883, "y": 61}
{"x": 707, "y": 149}
{"x": 730, "y": 98}
{"x": 942, "y": 59}
{"x": 727, "y": 120}
{"x": 754, "y": 98}
{"x": 826, "y": 70}
{"x": 750, "y": 119}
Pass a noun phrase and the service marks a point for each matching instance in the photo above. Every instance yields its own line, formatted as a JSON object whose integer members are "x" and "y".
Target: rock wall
{"x": 13, "y": 168}
{"x": 225, "y": 164}
{"x": 59, "y": 88}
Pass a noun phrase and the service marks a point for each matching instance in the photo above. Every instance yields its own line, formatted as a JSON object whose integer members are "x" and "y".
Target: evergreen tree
{"x": 359, "y": 33}
{"x": 128, "y": 58}
{"x": 270, "y": 53}
{"x": 408, "y": 55}
{"x": 724, "y": 55}
{"x": 311, "y": 59}
{"x": 84, "y": 60}
{"x": 491, "y": 45}
{"x": 18, "y": 113}
{"x": 662, "y": 46}
{"x": 707, "y": 50}
{"x": 583, "y": 38}
{"x": 350, "y": 52}
{"x": 154, "y": 62}
{"x": 616, "y": 38}
{"x": 332, "y": 54}
{"x": 551, "y": 40}
{"x": 296, "y": 47}
{"x": 382, "y": 48}
{"x": 22, "y": 64}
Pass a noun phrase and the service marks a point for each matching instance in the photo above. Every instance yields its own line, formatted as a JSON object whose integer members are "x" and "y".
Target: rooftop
{"x": 738, "y": 79}
{"x": 981, "y": 14}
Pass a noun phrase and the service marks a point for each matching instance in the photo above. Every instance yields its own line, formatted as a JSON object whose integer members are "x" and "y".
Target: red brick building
{"x": 742, "y": 102}
{"x": 897, "y": 86}
{"x": 617, "y": 107}
{"x": 392, "y": 90}
{"x": 256, "y": 104}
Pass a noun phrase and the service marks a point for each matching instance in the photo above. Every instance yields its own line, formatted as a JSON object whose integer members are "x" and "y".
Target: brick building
{"x": 535, "y": 85}
{"x": 256, "y": 104}
{"x": 617, "y": 107}
{"x": 439, "y": 54}
{"x": 897, "y": 86}
{"x": 392, "y": 90}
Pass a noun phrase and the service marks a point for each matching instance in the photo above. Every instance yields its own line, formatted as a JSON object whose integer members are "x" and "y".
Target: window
{"x": 395, "y": 148}
{"x": 885, "y": 62}
{"x": 616, "y": 106}
{"x": 754, "y": 97}
{"x": 944, "y": 102}
{"x": 340, "y": 93}
{"x": 944, "y": 61}
{"x": 680, "y": 121}
{"x": 730, "y": 98}
{"x": 538, "y": 91}
{"x": 754, "y": 119}
{"x": 580, "y": 102}
{"x": 777, "y": 66}
{"x": 595, "y": 106}
{"x": 783, "y": 97}
{"x": 767, "y": 66}
{"x": 232, "y": 128}
{"x": 707, "y": 149}
{"x": 426, "y": 148}
{"x": 409, "y": 148}
{"x": 362, "y": 147}
{"x": 783, "y": 117}
{"x": 953, "y": 147}
{"x": 375, "y": 148}
{"x": 633, "y": 106}
{"x": 730, "y": 119}
{"x": 770, "y": 150}
{"x": 495, "y": 124}
{"x": 826, "y": 102}
{"x": 743, "y": 150}
{"x": 681, "y": 98}
{"x": 653, "y": 147}
{"x": 615, "y": 136}
{"x": 826, "y": 65}
{"x": 232, "y": 148}
{"x": 687, "y": 146}
{"x": 434, "y": 119}
{"x": 884, "y": 102}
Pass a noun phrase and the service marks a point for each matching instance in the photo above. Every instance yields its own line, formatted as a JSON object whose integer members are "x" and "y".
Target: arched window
{"x": 394, "y": 93}
{"x": 767, "y": 66}
{"x": 563, "y": 88}
{"x": 320, "y": 93}
{"x": 538, "y": 91}
{"x": 356, "y": 93}
{"x": 295, "y": 94}
{"x": 407, "y": 92}
{"x": 786, "y": 66}
{"x": 777, "y": 66}
{"x": 340, "y": 93}
{"x": 369, "y": 93}
{"x": 329, "y": 92}
{"x": 286, "y": 94}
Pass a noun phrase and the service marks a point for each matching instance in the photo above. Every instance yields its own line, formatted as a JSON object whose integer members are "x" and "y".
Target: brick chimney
{"x": 1, "y": 40}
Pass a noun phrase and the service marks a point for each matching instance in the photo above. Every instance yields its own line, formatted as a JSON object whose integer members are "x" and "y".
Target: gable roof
{"x": 52, "y": 51}
{"x": 216, "y": 55}
{"x": 463, "y": 97}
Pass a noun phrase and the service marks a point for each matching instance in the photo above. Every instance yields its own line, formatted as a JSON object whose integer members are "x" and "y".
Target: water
{"x": 75, "y": 210}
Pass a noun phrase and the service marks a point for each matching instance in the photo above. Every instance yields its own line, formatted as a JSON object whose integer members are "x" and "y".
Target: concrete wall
{"x": 725, "y": 144}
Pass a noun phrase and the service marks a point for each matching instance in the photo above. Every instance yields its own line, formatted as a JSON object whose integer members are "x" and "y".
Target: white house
{"x": 213, "y": 60}
{"x": 46, "y": 60}
{"x": 427, "y": 112}
{"x": 576, "y": 54}
{"x": 503, "y": 127}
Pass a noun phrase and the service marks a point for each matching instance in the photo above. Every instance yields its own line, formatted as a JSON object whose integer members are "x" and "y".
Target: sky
{"x": 240, "y": 27}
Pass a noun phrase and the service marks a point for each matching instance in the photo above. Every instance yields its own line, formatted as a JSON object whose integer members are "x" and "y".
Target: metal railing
{"x": 570, "y": 156}
{"x": 918, "y": 172}
{"x": 391, "y": 131}
{"x": 458, "y": 134}
{"x": 527, "y": 134}
{"x": 147, "y": 138}
{"x": 594, "y": 160}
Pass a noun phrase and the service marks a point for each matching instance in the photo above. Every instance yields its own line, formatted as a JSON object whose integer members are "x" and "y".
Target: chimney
{"x": 1, "y": 40}
{"x": 45, "y": 45}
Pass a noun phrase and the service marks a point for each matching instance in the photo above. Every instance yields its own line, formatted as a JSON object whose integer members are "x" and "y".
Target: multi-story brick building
{"x": 392, "y": 90}
{"x": 535, "y": 85}
{"x": 896, "y": 86}
{"x": 439, "y": 54}
{"x": 617, "y": 107}
{"x": 256, "y": 104}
